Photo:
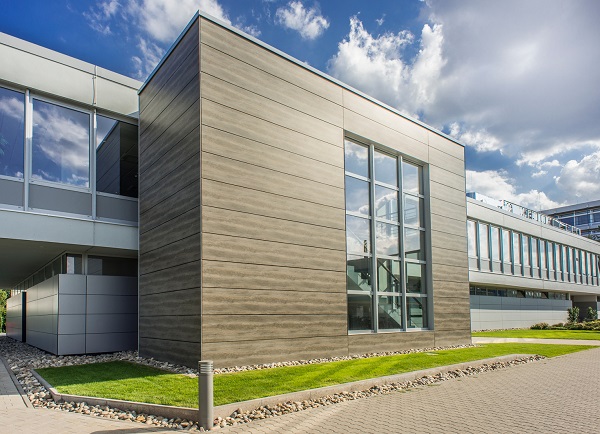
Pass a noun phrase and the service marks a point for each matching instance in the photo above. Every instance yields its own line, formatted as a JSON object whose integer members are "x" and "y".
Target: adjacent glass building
{"x": 584, "y": 216}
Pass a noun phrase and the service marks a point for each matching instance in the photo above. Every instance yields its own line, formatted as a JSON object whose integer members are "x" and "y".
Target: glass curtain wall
{"x": 385, "y": 241}
{"x": 12, "y": 133}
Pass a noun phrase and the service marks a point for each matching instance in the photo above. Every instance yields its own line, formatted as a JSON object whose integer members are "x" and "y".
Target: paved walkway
{"x": 10, "y": 398}
{"x": 483, "y": 340}
{"x": 555, "y": 395}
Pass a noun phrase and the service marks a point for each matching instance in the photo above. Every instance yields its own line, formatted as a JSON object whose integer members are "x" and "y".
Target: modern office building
{"x": 283, "y": 215}
{"x": 526, "y": 268}
{"x": 584, "y": 216}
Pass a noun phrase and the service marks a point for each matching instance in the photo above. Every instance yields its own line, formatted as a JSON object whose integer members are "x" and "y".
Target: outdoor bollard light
{"x": 205, "y": 394}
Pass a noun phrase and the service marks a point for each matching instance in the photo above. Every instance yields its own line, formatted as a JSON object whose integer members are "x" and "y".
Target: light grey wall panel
{"x": 11, "y": 192}
{"x": 71, "y": 344}
{"x": 42, "y": 197}
{"x": 115, "y": 208}
{"x": 107, "y": 304}
{"x": 15, "y": 315}
{"x": 111, "y": 285}
{"x": 71, "y": 324}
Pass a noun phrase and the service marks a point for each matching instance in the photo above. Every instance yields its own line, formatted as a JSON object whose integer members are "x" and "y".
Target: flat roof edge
{"x": 293, "y": 60}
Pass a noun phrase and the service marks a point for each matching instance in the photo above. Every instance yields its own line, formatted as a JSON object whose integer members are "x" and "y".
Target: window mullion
{"x": 401, "y": 240}
{"x": 373, "y": 239}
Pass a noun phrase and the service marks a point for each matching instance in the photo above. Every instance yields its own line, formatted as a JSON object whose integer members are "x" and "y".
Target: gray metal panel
{"x": 71, "y": 304}
{"x": 71, "y": 324}
{"x": 106, "y": 304}
{"x": 44, "y": 341}
{"x": 71, "y": 344}
{"x": 116, "y": 208}
{"x": 111, "y": 285}
{"x": 71, "y": 284}
{"x": 42, "y": 197}
{"x": 111, "y": 323}
{"x": 11, "y": 192}
{"x": 15, "y": 315}
{"x": 110, "y": 342}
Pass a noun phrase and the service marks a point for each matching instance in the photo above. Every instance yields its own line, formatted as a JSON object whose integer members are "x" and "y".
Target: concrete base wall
{"x": 488, "y": 312}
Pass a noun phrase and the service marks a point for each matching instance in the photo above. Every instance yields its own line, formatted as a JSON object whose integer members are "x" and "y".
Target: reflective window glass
{"x": 72, "y": 264}
{"x": 386, "y": 203}
{"x": 358, "y": 234}
{"x": 526, "y": 256}
{"x": 484, "y": 251}
{"x": 386, "y": 168}
{"x": 109, "y": 266}
{"x": 356, "y": 158}
{"x": 414, "y": 240}
{"x": 534, "y": 252}
{"x": 415, "y": 278}
{"x": 357, "y": 195}
{"x": 60, "y": 146}
{"x": 411, "y": 178}
{"x": 416, "y": 312}
{"x": 413, "y": 210}
{"x": 389, "y": 312}
{"x": 358, "y": 273}
{"x": 517, "y": 248}
{"x": 116, "y": 157}
{"x": 495, "y": 238}
{"x": 506, "y": 245}
{"x": 472, "y": 238}
{"x": 12, "y": 132}
{"x": 388, "y": 276}
{"x": 360, "y": 308}
{"x": 387, "y": 242}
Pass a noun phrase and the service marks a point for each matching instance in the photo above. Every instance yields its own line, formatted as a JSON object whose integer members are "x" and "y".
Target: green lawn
{"x": 541, "y": 334}
{"x": 132, "y": 382}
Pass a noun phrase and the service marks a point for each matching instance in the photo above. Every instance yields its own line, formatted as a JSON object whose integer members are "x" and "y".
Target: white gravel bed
{"x": 22, "y": 358}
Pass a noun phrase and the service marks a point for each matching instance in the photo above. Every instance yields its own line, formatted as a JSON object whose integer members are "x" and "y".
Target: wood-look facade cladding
{"x": 242, "y": 209}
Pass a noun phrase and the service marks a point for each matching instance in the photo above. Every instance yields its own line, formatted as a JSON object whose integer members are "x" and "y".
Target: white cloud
{"x": 481, "y": 140}
{"x": 150, "y": 56}
{"x": 12, "y": 107}
{"x": 381, "y": 20}
{"x": 99, "y": 15}
{"x": 581, "y": 179}
{"x": 376, "y": 65}
{"x": 308, "y": 22}
{"x": 498, "y": 185}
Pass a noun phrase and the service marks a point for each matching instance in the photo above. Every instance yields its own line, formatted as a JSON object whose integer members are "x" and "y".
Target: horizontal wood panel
{"x": 180, "y": 353}
{"x": 175, "y": 327}
{"x": 383, "y": 116}
{"x": 244, "y": 125}
{"x": 448, "y": 146}
{"x": 179, "y": 107}
{"x": 449, "y": 273}
{"x": 174, "y": 182}
{"x": 171, "y": 231}
{"x": 226, "y": 196}
{"x": 184, "y": 276}
{"x": 240, "y": 48}
{"x": 253, "y": 104}
{"x": 453, "y": 321}
{"x": 166, "y": 141}
{"x": 171, "y": 89}
{"x": 449, "y": 194}
{"x": 223, "y": 169}
{"x": 375, "y": 132}
{"x": 238, "y": 148}
{"x": 449, "y": 257}
{"x": 441, "y": 223}
{"x": 235, "y": 328}
{"x": 451, "y": 306}
{"x": 186, "y": 149}
{"x": 271, "y": 302}
{"x": 234, "y": 249}
{"x": 446, "y": 161}
{"x": 184, "y": 302}
{"x": 442, "y": 288}
{"x": 447, "y": 178}
{"x": 234, "y": 223}
{"x": 380, "y": 342}
{"x": 169, "y": 70}
{"x": 185, "y": 200}
{"x": 255, "y": 80}
{"x": 182, "y": 251}
{"x": 250, "y": 276}
{"x": 454, "y": 337}
{"x": 271, "y": 350}
{"x": 448, "y": 241}
{"x": 447, "y": 209}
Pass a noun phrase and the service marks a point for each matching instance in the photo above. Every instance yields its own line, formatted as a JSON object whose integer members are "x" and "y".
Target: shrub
{"x": 592, "y": 314}
{"x": 540, "y": 326}
{"x": 573, "y": 314}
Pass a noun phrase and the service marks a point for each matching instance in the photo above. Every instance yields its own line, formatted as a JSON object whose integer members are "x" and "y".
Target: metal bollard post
{"x": 205, "y": 394}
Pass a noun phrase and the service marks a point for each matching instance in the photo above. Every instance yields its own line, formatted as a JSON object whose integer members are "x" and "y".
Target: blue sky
{"x": 515, "y": 81}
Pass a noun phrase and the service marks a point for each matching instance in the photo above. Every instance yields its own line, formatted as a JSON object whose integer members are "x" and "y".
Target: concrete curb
{"x": 16, "y": 383}
{"x": 170, "y": 412}
{"x": 224, "y": 411}
{"x": 485, "y": 340}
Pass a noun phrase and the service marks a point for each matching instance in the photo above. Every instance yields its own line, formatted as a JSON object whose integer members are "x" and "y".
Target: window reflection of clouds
{"x": 358, "y": 235}
{"x": 357, "y": 159}
{"x": 412, "y": 210}
{"x": 60, "y": 144}
{"x": 411, "y": 179}
{"x": 387, "y": 239}
{"x": 386, "y": 203}
{"x": 413, "y": 244}
{"x": 386, "y": 169}
{"x": 12, "y": 118}
{"x": 357, "y": 195}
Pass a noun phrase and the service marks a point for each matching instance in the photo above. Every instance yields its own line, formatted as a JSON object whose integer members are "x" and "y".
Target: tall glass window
{"x": 385, "y": 241}
{"x": 12, "y": 132}
{"x": 506, "y": 246}
{"x": 472, "y": 238}
{"x": 526, "y": 257}
{"x": 116, "y": 157}
{"x": 495, "y": 242}
{"x": 484, "y": 247}
{"x": 60, "y": 146}
{"x": 517, "y": 248}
